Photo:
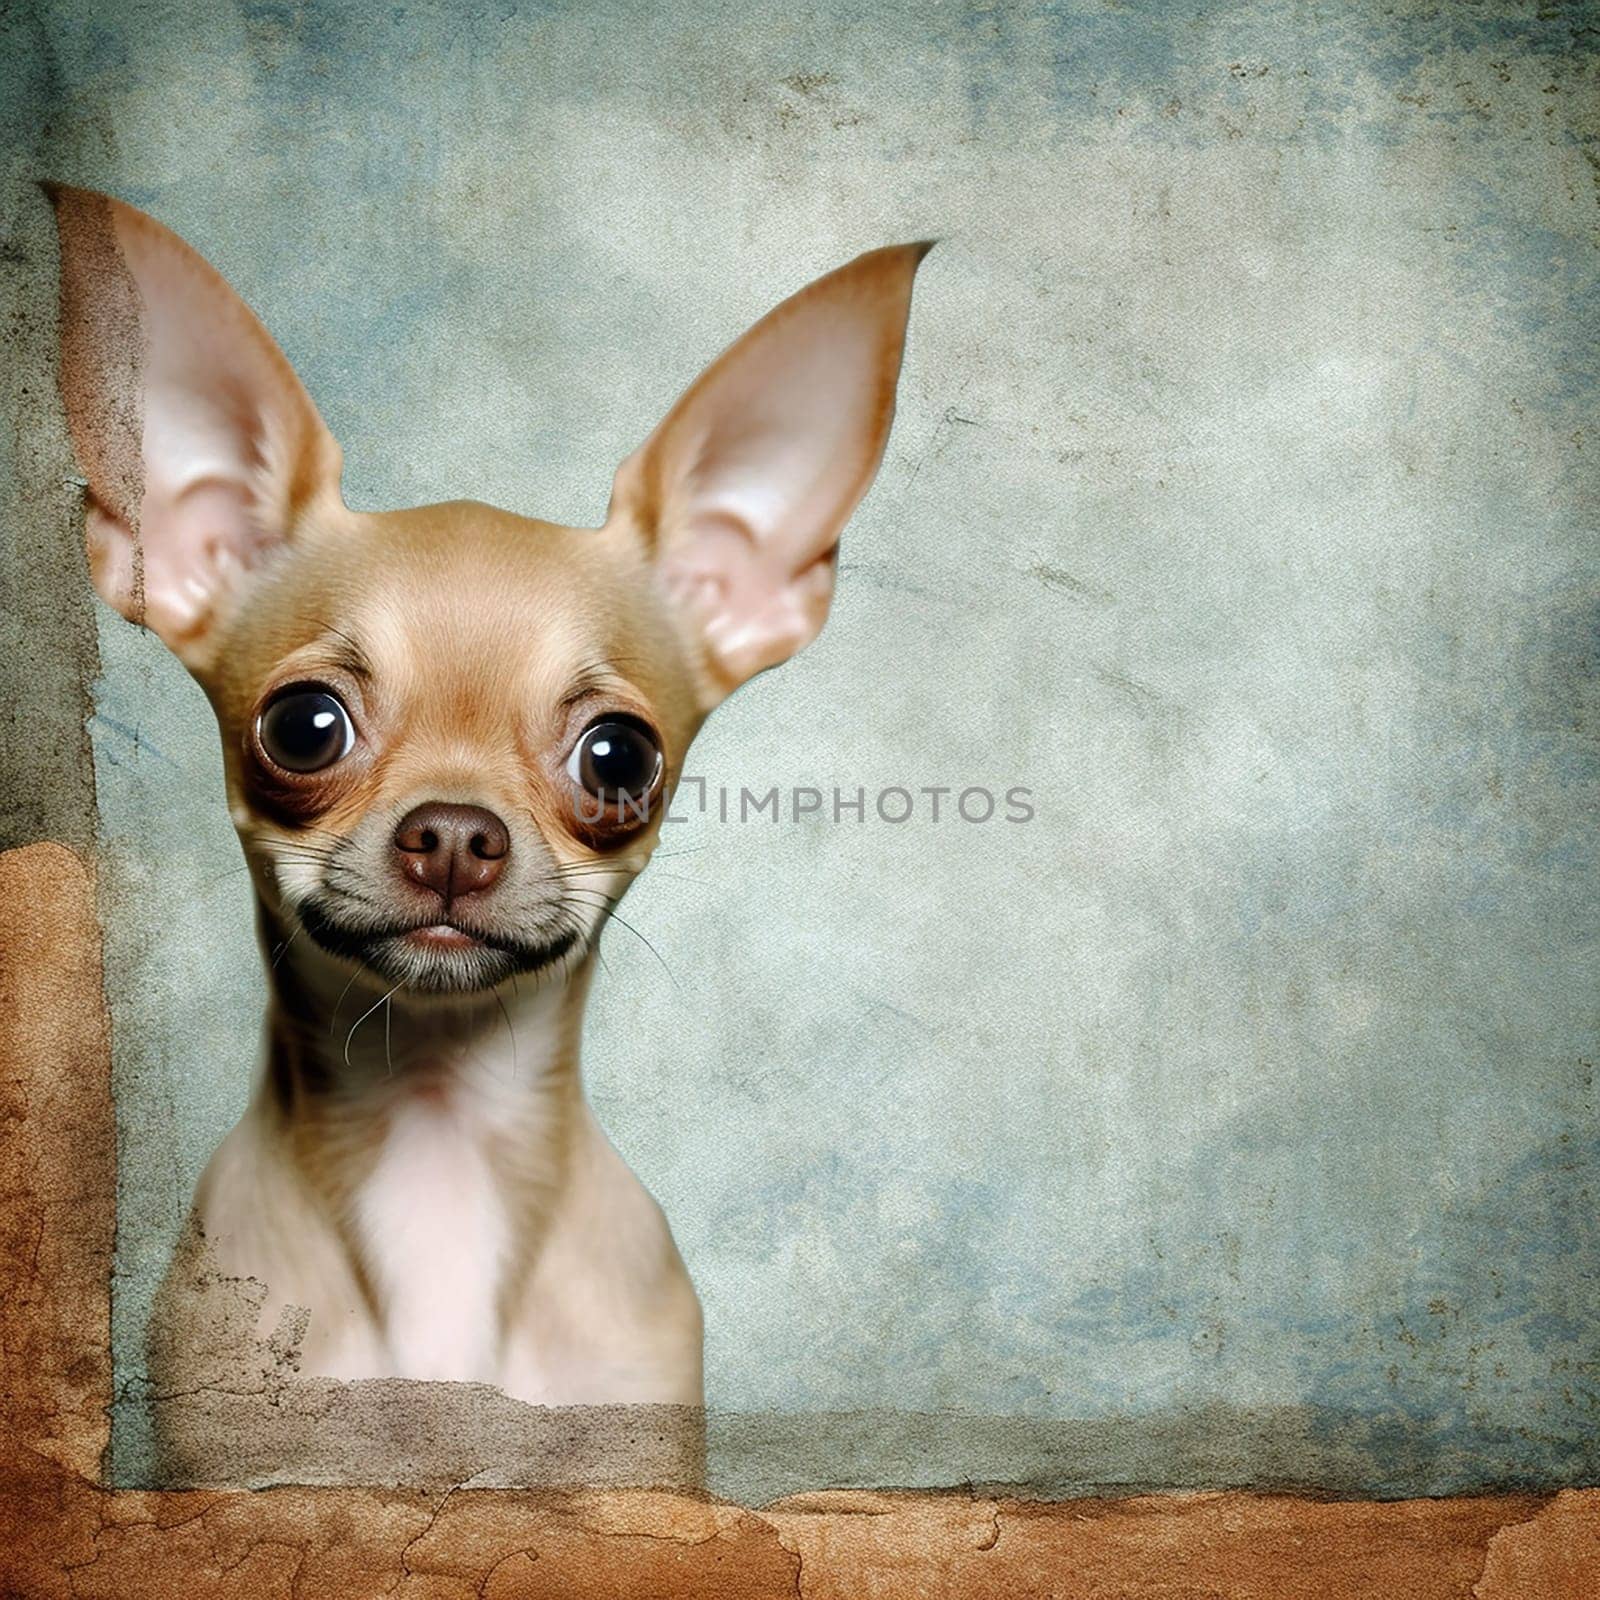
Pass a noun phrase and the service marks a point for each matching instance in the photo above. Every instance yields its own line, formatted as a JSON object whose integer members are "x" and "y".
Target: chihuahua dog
{"x": 449, "y": 736}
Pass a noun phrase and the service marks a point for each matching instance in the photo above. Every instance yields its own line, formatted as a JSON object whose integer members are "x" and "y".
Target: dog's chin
{"x": 438, "y": 959}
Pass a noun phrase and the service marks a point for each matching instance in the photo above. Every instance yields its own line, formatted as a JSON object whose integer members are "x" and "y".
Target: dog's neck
{"x": 346, "y": 1054}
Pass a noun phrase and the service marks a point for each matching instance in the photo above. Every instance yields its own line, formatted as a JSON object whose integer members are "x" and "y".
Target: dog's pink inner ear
{"x": 743, "y": 490}
{"x": 198, "y": 441}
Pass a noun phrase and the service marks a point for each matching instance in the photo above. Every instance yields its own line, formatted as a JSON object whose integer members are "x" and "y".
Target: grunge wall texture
{"x": 1234, "y": 1121}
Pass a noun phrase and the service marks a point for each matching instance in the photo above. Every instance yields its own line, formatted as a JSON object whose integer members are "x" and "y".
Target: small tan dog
{"x": 449, "y": 737}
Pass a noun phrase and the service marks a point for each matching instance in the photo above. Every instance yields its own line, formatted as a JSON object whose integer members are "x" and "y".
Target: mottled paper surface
{"x": 1231, "y": 1121}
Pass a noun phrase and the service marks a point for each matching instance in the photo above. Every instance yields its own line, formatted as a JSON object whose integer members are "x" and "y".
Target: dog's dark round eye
{"x": 615, "y": 758}
{"x": 306, "y": 729}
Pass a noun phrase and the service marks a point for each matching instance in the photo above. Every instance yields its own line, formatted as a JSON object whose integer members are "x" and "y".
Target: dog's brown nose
{"x": 453, "y": 850}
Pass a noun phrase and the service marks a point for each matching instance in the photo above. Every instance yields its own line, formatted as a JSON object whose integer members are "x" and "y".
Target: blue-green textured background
{"x": 1232, "y": 1121}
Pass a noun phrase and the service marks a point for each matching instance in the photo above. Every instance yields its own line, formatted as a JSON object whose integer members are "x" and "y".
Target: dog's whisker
{"x": 353, "y": 895}
{"x": 283, "y": 949}
{"x": 334, "y": 1021}
{"x": 511, "y": 1030}
{"x": 206, "y": 885}
{"x": 362, "y": 1018}
{"x": 616, "y": 916}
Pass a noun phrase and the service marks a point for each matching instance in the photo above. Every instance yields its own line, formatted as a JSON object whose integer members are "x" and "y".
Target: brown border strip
{"x": 62, "y": 1534}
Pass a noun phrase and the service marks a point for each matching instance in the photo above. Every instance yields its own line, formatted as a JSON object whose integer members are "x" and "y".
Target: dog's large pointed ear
{"x": 741, "y": 493}
{"x": 200, "y": 446}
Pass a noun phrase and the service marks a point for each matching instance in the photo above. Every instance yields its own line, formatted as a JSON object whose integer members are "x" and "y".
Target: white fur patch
{"x": 435, "y": 1237}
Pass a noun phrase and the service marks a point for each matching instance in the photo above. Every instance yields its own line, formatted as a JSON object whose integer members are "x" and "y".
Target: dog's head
{"x": 450, "y": 733}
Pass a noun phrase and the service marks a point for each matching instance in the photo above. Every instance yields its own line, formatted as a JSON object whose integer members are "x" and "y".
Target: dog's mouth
{"x": 443, "y": 936}
{"x": 439, "y": 957}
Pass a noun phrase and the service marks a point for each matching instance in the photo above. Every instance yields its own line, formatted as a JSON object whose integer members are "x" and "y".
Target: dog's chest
{"x": 435, "y": 1238}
